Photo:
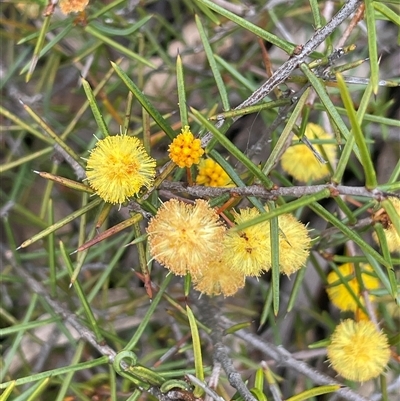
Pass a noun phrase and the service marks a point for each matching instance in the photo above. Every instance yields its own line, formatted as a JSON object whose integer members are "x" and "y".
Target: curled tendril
{"x": 120, "y": 365}
{"x": 125, "y": 364}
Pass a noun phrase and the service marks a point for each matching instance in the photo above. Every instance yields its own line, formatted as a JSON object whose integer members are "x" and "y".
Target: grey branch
{"x": 261, "y": 192}
{"x": 210, "y": 315}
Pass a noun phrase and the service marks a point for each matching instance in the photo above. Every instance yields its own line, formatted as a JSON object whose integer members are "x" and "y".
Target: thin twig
{"x": 209, "y": 391}
{"x": 214, "y": 378}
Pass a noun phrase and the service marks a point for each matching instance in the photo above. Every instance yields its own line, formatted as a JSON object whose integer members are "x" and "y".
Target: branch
{"x": 261, "y": 192}
{"x": 210, "y": 315}
{"x": 283, "y": 72}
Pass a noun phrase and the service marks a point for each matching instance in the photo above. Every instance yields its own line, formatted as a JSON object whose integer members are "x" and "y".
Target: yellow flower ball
{"x": 211, "y": 174}
{"x": 358, "y": 351}
{"x": 294, "y": 244}
{"x": 300, "y": 162}
{"x": 218, "y": 277}
{"x": 72, "y": 6}
{"x": 391, "y": 234}
{"x": 118, "y": 167}
{"x": 185, "y": 150}
{"x": 248, "y": 251}
{"x": 185, "y": 238}
{"x": 339, "y": 294}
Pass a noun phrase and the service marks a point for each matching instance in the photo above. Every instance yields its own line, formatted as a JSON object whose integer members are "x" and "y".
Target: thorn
{"x": 21, "y": 101}
{"x": 73, "y": 252}
{"x": 70, "y": 285}
{"x": 36, "y": 172}
{"x": 17, "y": 249}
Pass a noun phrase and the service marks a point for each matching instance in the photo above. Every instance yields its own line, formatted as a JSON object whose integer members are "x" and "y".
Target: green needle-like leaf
{"x": 154, "y": 113}
{"x": 233, "y": 150}
{"x": 38, "y": 47}
{"x": 214, "y": 68}
{"x": 95, "y": 108}
{"x": 55, "y": 372}
{"x": 269, "y": 37}
{"x": 365, "y": 156}
{"x": 117, "y": 46}
{"x": 61, "y": 223}
{"x": 198, "y": 359}
{"x": 180, "y": 80}
{"x": 372, "y": 44}
{"x": 81, "y": 295}
{"x": 327, "y": 102}
{"x": 313, "y": 392}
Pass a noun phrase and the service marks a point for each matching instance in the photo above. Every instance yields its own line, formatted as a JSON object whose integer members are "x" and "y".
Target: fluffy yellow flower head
{"x": 219, "y": 278}
{"x": 211, "y": 174}
{"x": 118, "y": 167}
{"x": 248, "y": 251}
{"x": 337, "y": 291}
{"x": 294, "y": 244}
{"x": 72, "y": 6}
{"x": 358, "y": 351}
{"x": 185, "y": 150}
{"x": 392, "y": 236}
{"x": 185, "y": 238}
{"x": 300, "y": 162}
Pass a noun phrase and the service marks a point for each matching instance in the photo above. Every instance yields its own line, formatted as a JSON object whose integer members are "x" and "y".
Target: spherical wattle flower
{"x": 248, "y": 251}
{"x": 185, "y": 150}
{"x": 391, "y": 234}
{"x": 294, "y": 244}
{"x": 300, "y": 162}
{"x": 340, "y": 295}
{"x": 218, "y": 277}
{"x": 185, "y": 237}
{"x": 358, "y": 351}
{"x": 72, "y": 6}
{"x": 211, "y": 174}
{"x": 118, "y": 167}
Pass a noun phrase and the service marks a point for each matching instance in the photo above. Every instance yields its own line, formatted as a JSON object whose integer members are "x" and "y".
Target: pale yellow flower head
{"x": 218, "y": 277}
{"x": 211, "y": 174}
{"x": 300, "y": 162}
{"x": 72, "y": 6}
{"x": 248, "y": 251}
{"x": 185, "y": 150}
{"x": 185, "y": 238}
{"x": 392, "y": 236}
{"x": 358, "y": 351}
{"x": 294, "y": 244}
{"x": 339, "y": 294}
{"x": 118, "y": 167}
